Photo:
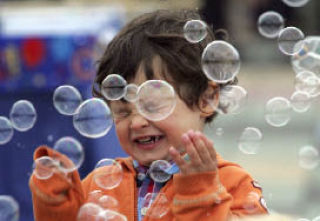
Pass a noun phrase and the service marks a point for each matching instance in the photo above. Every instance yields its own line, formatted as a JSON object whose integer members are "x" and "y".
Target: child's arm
{"x": 199, "y": 194}
{"x": 59, "y": 197}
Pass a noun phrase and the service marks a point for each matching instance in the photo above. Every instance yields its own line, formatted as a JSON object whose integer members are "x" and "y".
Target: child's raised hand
{"x": 202, "y": 155}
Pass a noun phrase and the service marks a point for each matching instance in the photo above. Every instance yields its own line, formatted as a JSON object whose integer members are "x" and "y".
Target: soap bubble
{"x": 195, "y": 31}
{"x": 232, "y": 99}
{"x": 108, "y": 174}
{"x": 155, "y": 205}
{"x": 309, "y": 157}
{"x": 93, "y": 118}
{"x": 270, "y": 24}
{"x": 295, "y": 3}
{"x": 9, "y": 208}
{"x": 131, "y": 93}
{"x": 250, "y": 205}
{"x": 109, "y": 215}
{"x": 300, "y": 101}
{"x": 308, "y": 58}
{"x": 219, "y": 131}
{"x": 113, "y": 87}
{"x": 220, "y": 61}
{"x": 43, "y": 167}
{"x": 308, "y": 82}
{"x": 66, "y": 99}
{"x": 158, "y": 171}
{"x": 250, "y": 140}
{"x": 23, "y": 115}
{"x": 6, "y": 130}
{"x": 156, "y": 100}
{"x": 89, "y": 212}
{"x": 104, "y": 201}
{"x": 290, "y": 40}
{"x": 278, "y": 111}
{"x": 73, "y": 149}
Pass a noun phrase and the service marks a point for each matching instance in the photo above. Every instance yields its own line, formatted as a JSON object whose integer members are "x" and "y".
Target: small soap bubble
{"x": 6, "y": 130}
{"x": 219, "y": 131}
{"x": 113, "y": 87}
{"x": 250, "y": 140}
{"x": 66, "y": 99}
{"x": 108, "y": 202}
{"x": 295, "y": 3}
{"x": 50, "y": 138}
{"x": 278, "y": 111}
{"x": 89, "y": 212}
{"x": 308, "y": 82}
{"x": 270, "y": 24}
{"x": 156, "y": 100}
{"x": 250, "y": 205}
{"x": 155, "y": 205}
{"x": 73, "y": 149}
{"x": 308, "y": 157}
{"x": 43, "y": 167}
{"x": 290, "y": 40}
{"x": 23, "y": 115}
{"x": 232, "y": 99}
{"x": 9, "y": 208}
{"x": 93, "y": 118}
{"x": 131, "y": 92}
{"x": 195, "y": 31}
{"x": 300, "y": 101}
{"x": 220, "y": 61}
{"x": 158, "y": 171}
{"x": 108, "y": 174}
{"x": 109, "y": 215}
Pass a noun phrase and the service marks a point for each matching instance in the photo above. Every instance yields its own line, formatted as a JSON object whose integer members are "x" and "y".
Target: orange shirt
{"x": 216, "y": 196}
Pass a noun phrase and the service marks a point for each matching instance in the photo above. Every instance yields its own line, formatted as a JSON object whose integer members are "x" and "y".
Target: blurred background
{"x": 45, "y": 44}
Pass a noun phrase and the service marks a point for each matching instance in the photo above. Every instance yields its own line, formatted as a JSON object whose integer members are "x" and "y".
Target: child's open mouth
{"x": 148, "y": 142}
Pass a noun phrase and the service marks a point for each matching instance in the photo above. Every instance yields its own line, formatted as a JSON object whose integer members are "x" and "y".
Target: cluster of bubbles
{"x": 23, "y": 117}
{"x": 91, "y": 118}
{"x": 9, "y": 208}
{"x": 70, "y": 159}
{"x": 154, "y": 99}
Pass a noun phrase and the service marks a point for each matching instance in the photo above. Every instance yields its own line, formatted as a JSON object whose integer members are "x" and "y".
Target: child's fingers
{"x": 177, "y": 158}
{"x": 210, "y": 147}
{"x": 192, "y": 152}
{"x": 201, "y": 148}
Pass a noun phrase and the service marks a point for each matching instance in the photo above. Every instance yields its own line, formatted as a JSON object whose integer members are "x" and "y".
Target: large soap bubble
{"x": 9, "y": 208}
{"x": 250, "y": 140}
{"x": 308, "y": 157}
{"x": 108, "y": 174}
{"x": 270, "y": 24}
{"x": 232, "y": 99}
{"x": 278, "y": 111}
{"x": 195, "y": 31}
{"x": 308, "y": 58}
{"x": 220, "y": 61}
{"x": 6, "y": 130}
{"x": 290, "y": 40}
{"x": 155, "y": 205}
{"x": 66, "y": 99}
{"x": 156, "y": 100}
{"x": 308, "y": 82}
{"x": 295, "y": 3}
{"x": 93, "y": 118}
{"x": 73, "y": 149}
{"x": 23, "y": 115}
{"x": 158, "y": 171}
{"x": 113, "y": 87}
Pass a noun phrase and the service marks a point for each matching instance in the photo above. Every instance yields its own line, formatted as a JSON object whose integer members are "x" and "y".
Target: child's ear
{"x": 209, "y": 100}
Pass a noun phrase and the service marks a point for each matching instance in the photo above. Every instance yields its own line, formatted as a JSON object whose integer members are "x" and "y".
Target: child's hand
{"x": 201, "y": 153}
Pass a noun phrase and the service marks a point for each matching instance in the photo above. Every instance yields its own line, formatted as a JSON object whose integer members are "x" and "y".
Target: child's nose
{"x": 138, "y": 121}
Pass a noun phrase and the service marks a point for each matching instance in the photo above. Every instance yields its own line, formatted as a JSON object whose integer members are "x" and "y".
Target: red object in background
{"x": 33, "y": 52}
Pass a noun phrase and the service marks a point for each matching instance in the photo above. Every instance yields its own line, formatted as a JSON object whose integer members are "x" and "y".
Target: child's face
{"x": 134, "y": 131}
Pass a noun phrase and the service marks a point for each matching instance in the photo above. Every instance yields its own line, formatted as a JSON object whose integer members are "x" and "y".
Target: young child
{"x": 206, "y": 187}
